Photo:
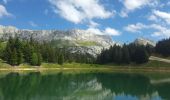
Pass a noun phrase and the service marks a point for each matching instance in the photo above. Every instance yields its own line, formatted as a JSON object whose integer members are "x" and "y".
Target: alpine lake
{"x": 61, "y": 85}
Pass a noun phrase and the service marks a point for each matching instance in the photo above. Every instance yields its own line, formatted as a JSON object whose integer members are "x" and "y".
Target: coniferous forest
{"x": 29, "y": 51}
{"x": 133, "y": 53}
{"x": 19, "y": 51}
{"x": 125, "y": 54}
{"x": 163, "y": 47}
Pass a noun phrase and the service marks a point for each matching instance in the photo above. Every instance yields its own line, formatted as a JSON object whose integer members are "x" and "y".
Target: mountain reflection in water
{"x": 91, "y": 86}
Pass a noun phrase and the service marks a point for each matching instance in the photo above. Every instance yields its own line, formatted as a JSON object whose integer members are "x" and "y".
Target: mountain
{"x": 143, "y": 41}
{"x": 80, "y": 41}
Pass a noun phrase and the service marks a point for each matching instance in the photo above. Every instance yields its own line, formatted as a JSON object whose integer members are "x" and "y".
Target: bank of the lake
{"x": 151, "y": 66}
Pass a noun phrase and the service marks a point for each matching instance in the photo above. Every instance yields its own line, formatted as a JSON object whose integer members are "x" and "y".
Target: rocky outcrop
{"x": 73, "y": 38}
{"x": 142, "y": 41}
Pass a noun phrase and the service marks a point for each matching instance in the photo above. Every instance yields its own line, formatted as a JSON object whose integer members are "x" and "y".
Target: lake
{"x": 84, "y": 86}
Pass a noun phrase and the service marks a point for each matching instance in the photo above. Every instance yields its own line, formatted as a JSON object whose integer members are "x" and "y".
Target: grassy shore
{"x": 149, "y": 67}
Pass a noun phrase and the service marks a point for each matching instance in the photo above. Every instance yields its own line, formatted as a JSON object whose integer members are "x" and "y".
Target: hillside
{"x": 75, "y": 40}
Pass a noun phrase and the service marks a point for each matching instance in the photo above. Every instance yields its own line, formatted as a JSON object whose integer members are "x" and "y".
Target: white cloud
{"x": 135, "y": 27}
{"x": 111, "y": 31}
{"x": 158, "y": 30}
{"x": 161, "y": 31}
{"x": 93, "y": 24}
{"x": 3, "y": 11}
{"x": 107, "y": 31}
{"x": 33, "y": 24}
{"x": 135, "y": 4}
{"x": 162, "y": 15}
{"x": 132, "y": 5}
{"x": 124, "y": 13}
{"x": 153, "y": 18}
{"x": 168, "y": 3}
{"x": 5, "y": 1}
{"x": 95, "y": 31}
{"x": 78, "y": 11}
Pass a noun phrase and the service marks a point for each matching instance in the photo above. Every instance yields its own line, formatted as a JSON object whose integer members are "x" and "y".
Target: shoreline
{"x": 102, "y": 69}
{"x": 151, "y": 66}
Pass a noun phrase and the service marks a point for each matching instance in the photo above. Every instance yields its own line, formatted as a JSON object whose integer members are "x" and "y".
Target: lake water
{"x": 86, "y": 86}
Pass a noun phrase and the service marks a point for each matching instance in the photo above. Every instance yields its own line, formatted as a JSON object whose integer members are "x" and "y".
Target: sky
{"x": 123, "y": 20}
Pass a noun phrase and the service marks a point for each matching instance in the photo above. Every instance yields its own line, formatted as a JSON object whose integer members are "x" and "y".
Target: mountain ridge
{"x": 84, "y": 41}
{"x": 75, "y": 35}
{"x": 75, "y": 40}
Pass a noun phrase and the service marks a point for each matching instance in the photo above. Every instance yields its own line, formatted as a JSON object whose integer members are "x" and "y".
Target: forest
{"x": 133, "y": 53}
{"x": 125, "y": 54}
{"x": 32, "y": 52}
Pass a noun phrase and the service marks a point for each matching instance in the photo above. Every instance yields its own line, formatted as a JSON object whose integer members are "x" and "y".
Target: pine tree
{"x": 125, "y": 55}
{"x": 17, "y": 43}
{"x": 7, "y": 55}
{"x": 51, "y": 55}
{"x": 34, "y": 59}
{"x": 39, "y": 59}
{"x": 28, "y": 51}
{"x": 163, "y": 47}
{"x": 141, "y": 55}
{"x": 118, "y": 55}
{"x": 20, "y": 57}
{"x": 61, "y": 59}
{"x": 149, "y": 49}
{"x": 13, "y": 58}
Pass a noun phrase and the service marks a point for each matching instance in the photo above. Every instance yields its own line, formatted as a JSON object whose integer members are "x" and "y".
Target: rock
{"x": 78, "y": 40}
{"x": 142, "y": 41}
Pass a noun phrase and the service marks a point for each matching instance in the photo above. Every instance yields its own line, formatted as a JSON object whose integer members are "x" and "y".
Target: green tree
{"x": 20, "y": 58}
{"x": 13, "y": 58}
{"x": 39, "y": 59}
{"x": 34, "y": 59}
{"x": 163, "y": 47}
{"x": 118, "y": 55}
{"x": 125, "y": 55}
{"x": 61, "y": 59}
{"x": 150, "y": 49}
{"x": 28, "y": 51}
{"x": 141, "y": 55}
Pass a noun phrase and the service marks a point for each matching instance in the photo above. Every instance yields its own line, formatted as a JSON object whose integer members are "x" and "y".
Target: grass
{"x": 154, "y": 66}
{"x": 87, "y": 43}
{"x": 72, "y": 65}
{"x": 62, "y": 43}
{"x": 153, "y": 69}
{"x": 81, "y": 65}
{"x": 3, "y": 64}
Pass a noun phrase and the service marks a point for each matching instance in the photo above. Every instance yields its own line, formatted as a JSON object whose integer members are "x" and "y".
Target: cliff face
{"x": 142, "y": 41}
{"x": 80, "y": 41}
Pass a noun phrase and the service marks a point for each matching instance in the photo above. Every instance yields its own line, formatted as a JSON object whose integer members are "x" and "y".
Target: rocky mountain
{"x": 81, "y": 41}
{"x": 76, "y": 41}
{"x": 143, "y": 41}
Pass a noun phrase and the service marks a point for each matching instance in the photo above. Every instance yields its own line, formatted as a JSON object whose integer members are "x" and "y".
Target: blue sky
{"x": 124, "y": 20}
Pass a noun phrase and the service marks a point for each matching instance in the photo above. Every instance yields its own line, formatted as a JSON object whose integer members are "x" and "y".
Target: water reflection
{"x": 92, "y": 86}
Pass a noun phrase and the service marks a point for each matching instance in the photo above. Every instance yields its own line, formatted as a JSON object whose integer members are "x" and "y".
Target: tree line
{"x": 18, "y": 51}
{"x": 30, "y": 51}
{"x": 163, "y": 47}
{"x": 125, "y": 54}
{"x": 134, "y": 53}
